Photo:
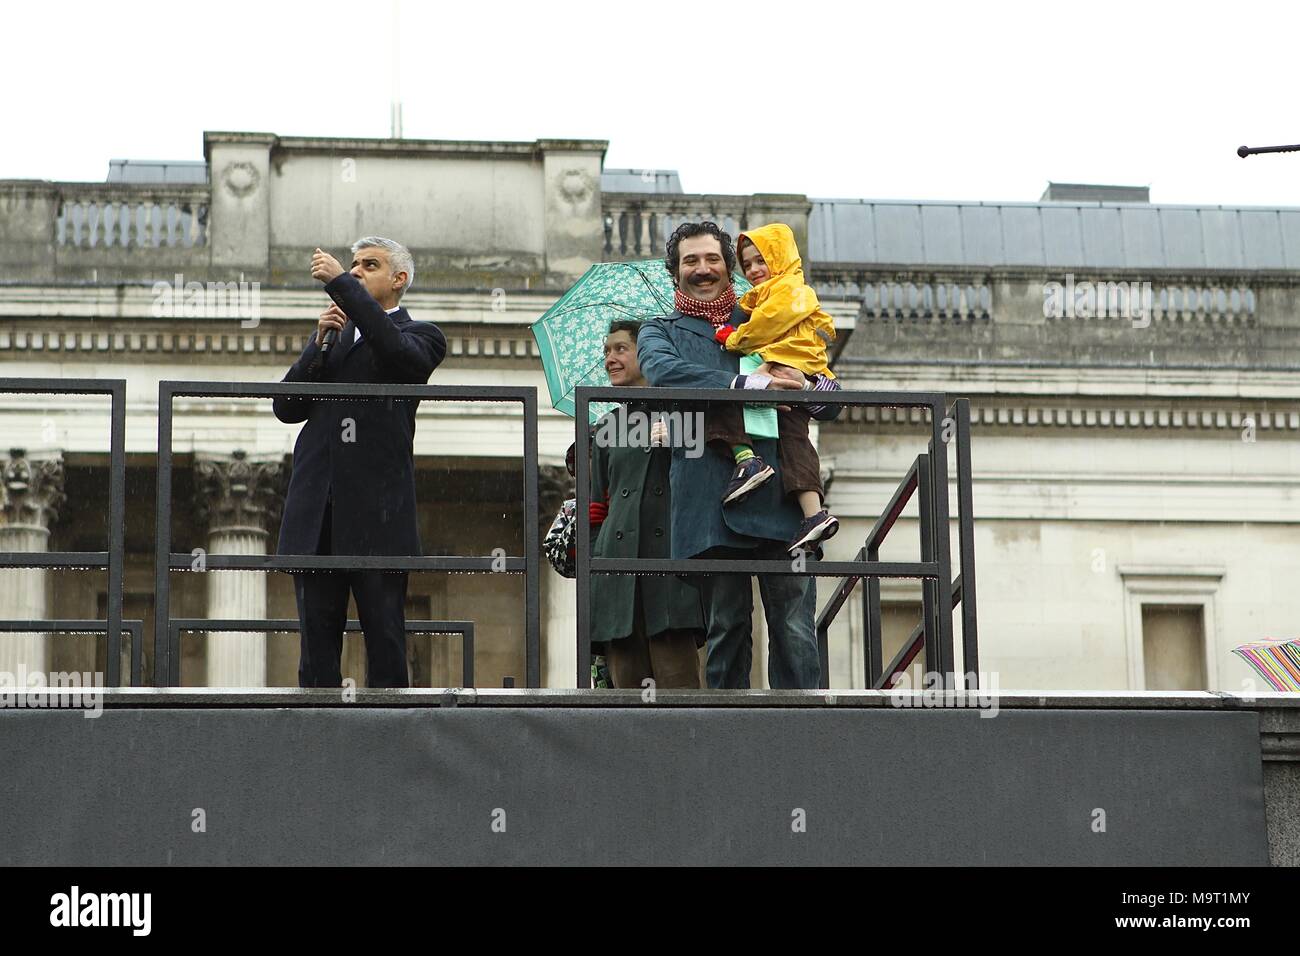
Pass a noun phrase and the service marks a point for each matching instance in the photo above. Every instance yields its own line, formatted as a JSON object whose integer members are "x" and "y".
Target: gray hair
{"x": 399, "y": 257}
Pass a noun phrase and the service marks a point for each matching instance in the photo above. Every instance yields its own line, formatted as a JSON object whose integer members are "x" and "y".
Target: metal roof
{"x": 1058, "y": 234}
{"x": 640, "y": 181}
{"x": 157, "y": 171}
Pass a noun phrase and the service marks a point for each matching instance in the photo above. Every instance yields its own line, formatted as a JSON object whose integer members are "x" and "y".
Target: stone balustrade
{"x": 90, "y": 215}
{"x": 893, "y": 294}
{"x": 943, "y": 296}
{"x": 637, "y": 225}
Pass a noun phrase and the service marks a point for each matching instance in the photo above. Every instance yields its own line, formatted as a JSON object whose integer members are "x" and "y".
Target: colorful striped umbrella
{"x": 1277, "y": 660}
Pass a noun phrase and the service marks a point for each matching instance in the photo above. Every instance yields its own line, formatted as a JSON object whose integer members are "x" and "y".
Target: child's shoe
{"x": 819, "y": 527}
{"x": 750, "y": 474}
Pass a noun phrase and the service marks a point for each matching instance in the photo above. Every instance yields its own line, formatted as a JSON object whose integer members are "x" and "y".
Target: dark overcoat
{"x": 634, "y": 479}
{"x": 355, "y": 456}
{"x": 679, "y": 351}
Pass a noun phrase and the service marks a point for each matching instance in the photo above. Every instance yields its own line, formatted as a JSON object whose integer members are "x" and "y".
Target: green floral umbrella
{"x": 571, "y": 335}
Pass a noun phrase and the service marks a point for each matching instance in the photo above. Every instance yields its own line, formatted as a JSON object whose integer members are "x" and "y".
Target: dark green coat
{"x": 636, "y": 480}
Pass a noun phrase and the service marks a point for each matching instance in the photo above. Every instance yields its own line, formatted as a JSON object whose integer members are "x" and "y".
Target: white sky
{"x": 917, "y": 100}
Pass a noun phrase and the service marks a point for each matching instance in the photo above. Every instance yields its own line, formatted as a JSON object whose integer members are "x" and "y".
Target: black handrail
{"x": 114, "y": 559}
{"x": 284, "y": 624}
{"x": 165, "y": 561}
{"x": 962, "y": 589}
{"x": 112, "y": 652}
{"x": 929, "y": 474}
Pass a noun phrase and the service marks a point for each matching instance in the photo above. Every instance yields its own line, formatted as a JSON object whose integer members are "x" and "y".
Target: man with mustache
{"x": 679, "y": 351}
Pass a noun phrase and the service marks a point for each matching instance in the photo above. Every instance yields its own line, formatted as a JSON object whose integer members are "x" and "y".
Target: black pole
{"x": 1244, "y": 151}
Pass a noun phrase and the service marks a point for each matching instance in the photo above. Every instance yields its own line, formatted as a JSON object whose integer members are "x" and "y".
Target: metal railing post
{"x": 582, "y": 537}
{"x": 929, "y": 589}
{"x": 939, "y": 425}
{"x": 873, "y": 644}
{"x": 163, "y": 540}
{"x": 966, "y": 545}
{"x": 532, "y": 578}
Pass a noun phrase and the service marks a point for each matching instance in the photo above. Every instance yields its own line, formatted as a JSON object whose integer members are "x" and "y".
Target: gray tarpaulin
{"x": 458, "y": 785}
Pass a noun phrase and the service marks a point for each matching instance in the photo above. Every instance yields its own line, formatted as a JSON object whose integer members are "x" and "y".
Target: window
{"x": 1173, "y": 646}
{"x": 1171, "y": 620}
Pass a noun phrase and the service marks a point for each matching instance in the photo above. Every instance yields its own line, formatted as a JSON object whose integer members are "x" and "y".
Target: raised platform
{"x": 203, "y": 777}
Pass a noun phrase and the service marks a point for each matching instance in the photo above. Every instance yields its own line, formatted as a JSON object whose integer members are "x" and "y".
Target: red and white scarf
{"x": 718, "y": 312}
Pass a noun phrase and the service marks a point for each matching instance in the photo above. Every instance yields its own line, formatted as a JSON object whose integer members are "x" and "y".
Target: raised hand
{"x": 324, "y": 266}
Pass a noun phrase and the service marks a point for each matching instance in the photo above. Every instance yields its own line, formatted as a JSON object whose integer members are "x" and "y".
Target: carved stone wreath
{"x": 576, "y": 186}
{"x": 240, "y": 178}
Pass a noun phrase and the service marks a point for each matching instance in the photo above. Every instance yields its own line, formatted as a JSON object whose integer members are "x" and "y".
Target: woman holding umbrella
{"x": 651, "y": 625}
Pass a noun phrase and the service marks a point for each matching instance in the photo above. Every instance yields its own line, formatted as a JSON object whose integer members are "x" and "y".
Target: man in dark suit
{"x": 352, "y": 491}
{"x": 679, "y": 351}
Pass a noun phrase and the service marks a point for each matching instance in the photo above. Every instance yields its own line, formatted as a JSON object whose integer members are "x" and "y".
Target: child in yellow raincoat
{"x": 790, "y": 331}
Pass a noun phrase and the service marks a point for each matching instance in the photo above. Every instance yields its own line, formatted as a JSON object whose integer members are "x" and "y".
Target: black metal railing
{"x": 111, "y": 560}
{"x": 939, "y": 657}
{"x": 941, "y": 593}
{"x": 165, "y": 561}
{"x": 179, "y": 625}
{"x": 112, "y": 651}
{"x": 929, "y": 475}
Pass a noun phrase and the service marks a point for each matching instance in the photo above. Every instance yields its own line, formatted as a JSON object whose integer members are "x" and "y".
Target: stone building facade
{"x": 1136, "y": 487}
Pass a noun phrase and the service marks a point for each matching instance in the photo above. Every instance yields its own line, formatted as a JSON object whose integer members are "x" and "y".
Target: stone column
{"x": 31, "y": 491}
{"x": 559, "y": 594}
{"x": 240, "y": 497}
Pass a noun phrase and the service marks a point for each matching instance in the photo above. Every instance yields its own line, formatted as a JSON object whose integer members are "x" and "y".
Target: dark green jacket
{"x": 635, "y": 479}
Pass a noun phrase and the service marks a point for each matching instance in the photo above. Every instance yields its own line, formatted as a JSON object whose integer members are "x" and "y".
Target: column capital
{"x": 239, "y": 491}
{"x": 31, "y": 488}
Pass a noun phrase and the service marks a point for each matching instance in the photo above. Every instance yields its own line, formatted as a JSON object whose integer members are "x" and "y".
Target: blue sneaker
{"x": 750, "y": 475}
{"x": 817, "y": 528}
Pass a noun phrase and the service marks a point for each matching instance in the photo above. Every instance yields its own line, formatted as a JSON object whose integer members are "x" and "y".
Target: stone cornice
{"x": 98, "y": 343}
{"x": 1186, "y": 417}
{"x": 101, "y": 321}
{"x": 425, "y": 148}
{"x": 826, "y": 272}
{"x": 1025, "y": 381}
{"x": 137, "y": 300}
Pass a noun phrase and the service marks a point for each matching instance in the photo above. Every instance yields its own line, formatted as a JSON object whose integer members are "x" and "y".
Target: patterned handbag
{"x": 558, "y": 543}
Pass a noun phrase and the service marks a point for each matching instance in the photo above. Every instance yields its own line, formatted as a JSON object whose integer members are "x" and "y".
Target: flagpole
{"x": 395, "y": 109}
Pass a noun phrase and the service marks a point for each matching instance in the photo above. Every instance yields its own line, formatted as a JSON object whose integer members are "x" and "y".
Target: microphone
{"x": 326, "y": 344}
